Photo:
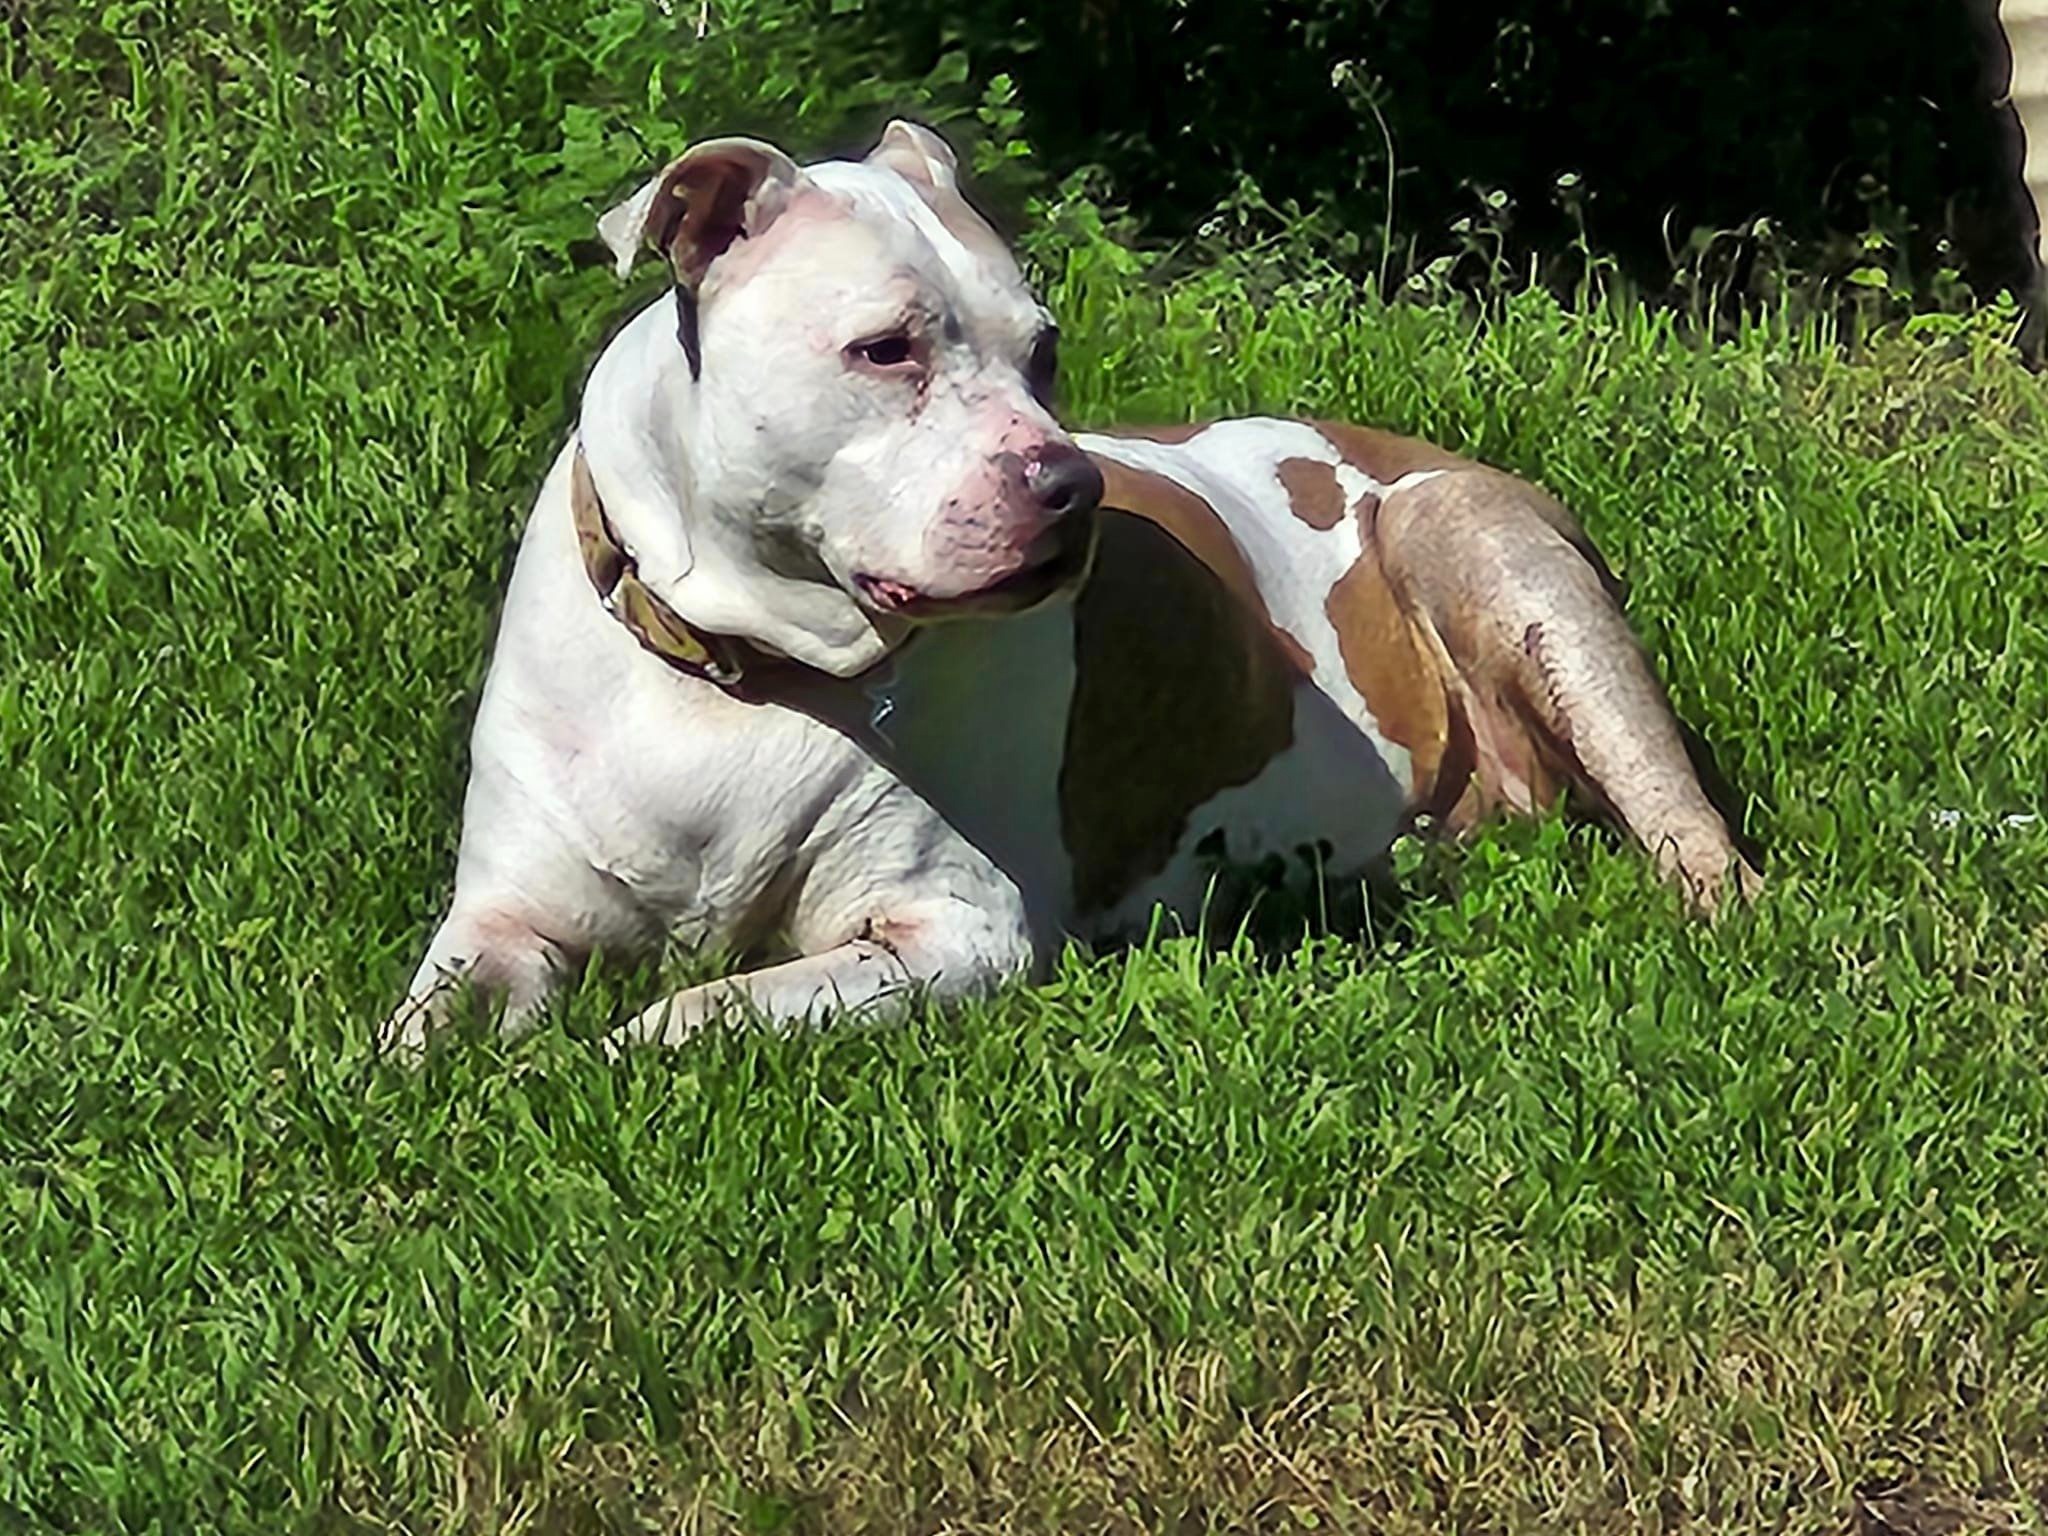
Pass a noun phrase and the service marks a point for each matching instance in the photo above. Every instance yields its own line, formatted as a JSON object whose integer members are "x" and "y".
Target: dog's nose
{"x": 1064, "y": 480}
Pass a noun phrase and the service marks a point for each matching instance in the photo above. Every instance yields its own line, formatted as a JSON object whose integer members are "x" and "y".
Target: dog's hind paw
{"x": 1713, "y": 884}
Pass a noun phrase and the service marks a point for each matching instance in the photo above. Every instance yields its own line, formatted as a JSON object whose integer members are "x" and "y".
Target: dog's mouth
{"x": 1015, "y": 593}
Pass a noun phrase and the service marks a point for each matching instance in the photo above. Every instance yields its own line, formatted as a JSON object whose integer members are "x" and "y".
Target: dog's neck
{"x": 639, "y": 431}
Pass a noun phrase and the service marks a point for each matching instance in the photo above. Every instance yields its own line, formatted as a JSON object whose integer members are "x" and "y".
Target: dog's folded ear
{"x": 917, "y": 154}
{"x": 717, "y": 192}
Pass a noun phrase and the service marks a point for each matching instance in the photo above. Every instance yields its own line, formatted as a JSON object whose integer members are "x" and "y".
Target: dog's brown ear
{"x": 917, "y": 154}
{"x": 719, "y": 191}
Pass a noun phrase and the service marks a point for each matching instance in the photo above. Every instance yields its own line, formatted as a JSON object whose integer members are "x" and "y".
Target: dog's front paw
{"x": 668, "y": 1023}
{"x": 403, "y": 1036}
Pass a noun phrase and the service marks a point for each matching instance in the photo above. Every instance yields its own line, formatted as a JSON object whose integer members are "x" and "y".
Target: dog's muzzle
{"x": 1067, "y": 486}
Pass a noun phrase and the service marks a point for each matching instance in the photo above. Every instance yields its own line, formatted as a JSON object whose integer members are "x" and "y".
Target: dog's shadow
{"x": 1741, "y": 812}
{"x": 1276, "y": 905}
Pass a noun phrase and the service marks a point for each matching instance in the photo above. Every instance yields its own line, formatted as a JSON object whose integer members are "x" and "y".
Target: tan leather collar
{"x": 659, "y": 628}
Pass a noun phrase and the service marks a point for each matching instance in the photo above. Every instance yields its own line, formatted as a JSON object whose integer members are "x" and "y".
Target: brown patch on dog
{"x": 1392, "y": 666}
{"x": 1196, "y": 527}
{"x": 1498, "y": 757}
{"x": 1387, "y": 456}
{"x": 1453, "y": 800}
{"x": 1181, "y": 691}
{"x": 1313, "y": 492}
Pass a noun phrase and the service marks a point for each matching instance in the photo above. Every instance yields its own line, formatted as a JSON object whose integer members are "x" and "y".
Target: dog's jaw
{"x": 1065, "y": 566}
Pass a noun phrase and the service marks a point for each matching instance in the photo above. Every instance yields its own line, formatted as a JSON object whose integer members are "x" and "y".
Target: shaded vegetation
{"x": 1866, "y": 136}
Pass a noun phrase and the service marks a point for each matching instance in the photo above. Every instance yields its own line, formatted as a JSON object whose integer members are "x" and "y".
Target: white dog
{"x": 823, "y": 634}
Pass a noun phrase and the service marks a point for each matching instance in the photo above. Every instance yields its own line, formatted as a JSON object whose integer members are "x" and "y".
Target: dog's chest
{"x": 1104, "y": 751}
{"x": 974, "y": 718}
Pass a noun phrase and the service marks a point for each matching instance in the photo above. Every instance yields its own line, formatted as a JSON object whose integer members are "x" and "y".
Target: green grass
{"x": 1537, "y": 1209}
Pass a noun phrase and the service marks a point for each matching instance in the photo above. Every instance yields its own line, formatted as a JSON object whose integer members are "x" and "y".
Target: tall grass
{"x": 1534, "y": 1208}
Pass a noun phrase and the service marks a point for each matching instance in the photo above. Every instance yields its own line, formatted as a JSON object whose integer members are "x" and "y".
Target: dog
{"x": 824, "y": 634}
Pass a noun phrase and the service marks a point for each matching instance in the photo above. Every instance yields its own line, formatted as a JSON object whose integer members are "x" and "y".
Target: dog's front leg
{"x": 875, "y": 975}
{"x": 494, "y": 952}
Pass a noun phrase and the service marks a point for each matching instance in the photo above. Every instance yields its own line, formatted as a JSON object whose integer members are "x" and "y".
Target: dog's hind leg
{"x": 1554, "y": 686}
{"x": 488, "y": 953}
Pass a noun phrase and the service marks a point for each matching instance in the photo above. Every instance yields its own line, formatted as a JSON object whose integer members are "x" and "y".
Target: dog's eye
{"x": 1042, "y": 372}
{"x": 890, "y": 351}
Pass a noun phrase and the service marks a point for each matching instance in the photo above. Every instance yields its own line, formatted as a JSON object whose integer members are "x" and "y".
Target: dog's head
{"x": 869, "y": 412}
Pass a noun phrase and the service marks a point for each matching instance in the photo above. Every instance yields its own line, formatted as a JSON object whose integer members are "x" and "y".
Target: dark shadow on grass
{"x": 1730, "y": 802}
{"x": 1278, "y": 906}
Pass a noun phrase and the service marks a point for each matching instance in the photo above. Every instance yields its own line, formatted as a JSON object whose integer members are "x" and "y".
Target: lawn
{"x": 1532, "y": 1208}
